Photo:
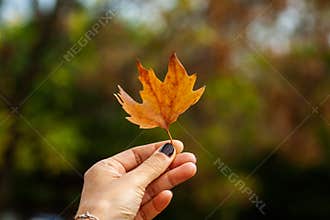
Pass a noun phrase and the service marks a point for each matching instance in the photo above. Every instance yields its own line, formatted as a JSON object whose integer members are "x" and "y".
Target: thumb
{"x": 154, "y": 166}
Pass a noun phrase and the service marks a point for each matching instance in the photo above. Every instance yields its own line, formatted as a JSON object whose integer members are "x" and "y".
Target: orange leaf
{"x": 163, "y": 101}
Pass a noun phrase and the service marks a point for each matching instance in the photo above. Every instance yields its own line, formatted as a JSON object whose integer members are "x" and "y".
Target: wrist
{"x": 85, "y": 216}
{"x": 101, "y": 210}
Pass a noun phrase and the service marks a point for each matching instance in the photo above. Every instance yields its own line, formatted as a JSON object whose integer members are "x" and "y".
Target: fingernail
{"x": 167, "y": 149}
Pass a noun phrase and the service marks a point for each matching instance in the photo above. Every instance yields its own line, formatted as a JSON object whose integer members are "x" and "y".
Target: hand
{"x": 136, "y": 183}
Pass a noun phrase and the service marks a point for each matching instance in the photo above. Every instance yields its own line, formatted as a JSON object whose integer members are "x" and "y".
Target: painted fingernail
{"x": 167, "y": 149}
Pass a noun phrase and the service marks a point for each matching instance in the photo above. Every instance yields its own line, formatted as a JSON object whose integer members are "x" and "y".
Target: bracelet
{"x": 86, "y": 215}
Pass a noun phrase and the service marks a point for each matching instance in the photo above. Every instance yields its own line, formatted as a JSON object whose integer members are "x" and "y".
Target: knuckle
{"x": 91, "y": 172}
{"x": 160, "y": 158}
{"x": 156, "y": 163}
{"x": 86, "y": 174}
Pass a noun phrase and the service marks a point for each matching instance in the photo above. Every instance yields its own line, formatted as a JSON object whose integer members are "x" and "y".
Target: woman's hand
{"x": 136, "y": 183}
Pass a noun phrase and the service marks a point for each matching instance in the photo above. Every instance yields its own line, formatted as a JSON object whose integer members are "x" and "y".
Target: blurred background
{"x": 265, "y": 112}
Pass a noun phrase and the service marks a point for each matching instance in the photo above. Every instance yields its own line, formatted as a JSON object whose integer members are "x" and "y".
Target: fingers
{"x": 153, "y": 167}
{"x": 151, "y": 209}
{"x": 182, "y": 158}
{"x": 131, "y": 158}
{"x": 169, "y": 180}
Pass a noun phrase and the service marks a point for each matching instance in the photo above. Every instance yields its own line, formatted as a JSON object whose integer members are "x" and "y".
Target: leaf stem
{"x": 169, "y": 134}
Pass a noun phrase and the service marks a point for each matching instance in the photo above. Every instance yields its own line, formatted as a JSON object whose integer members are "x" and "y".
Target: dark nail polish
{"x": 167, "y": 149}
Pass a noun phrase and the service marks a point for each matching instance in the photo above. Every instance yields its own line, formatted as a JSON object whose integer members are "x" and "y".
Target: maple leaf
{"x": 162, "y": 101}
